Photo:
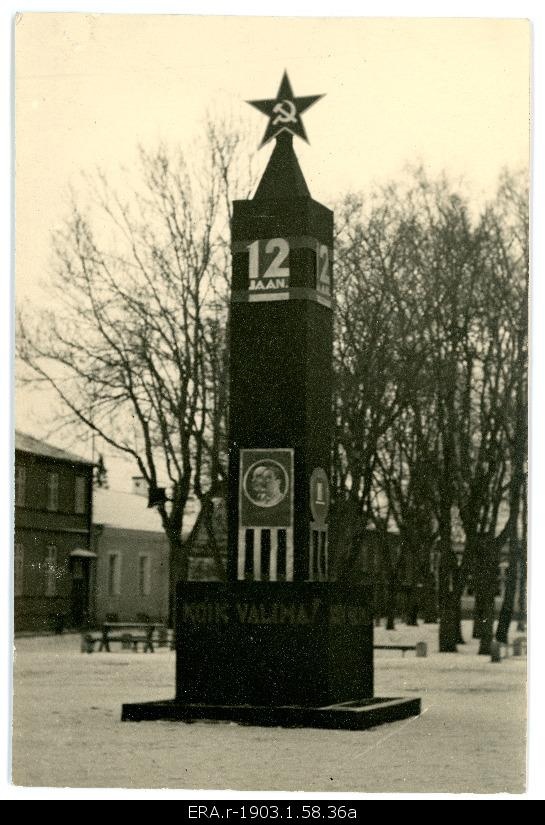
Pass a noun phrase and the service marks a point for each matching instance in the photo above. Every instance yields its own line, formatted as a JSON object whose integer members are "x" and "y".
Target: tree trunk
{"x": 377, "y": 600}
{"x": 178, "y": 571}
{"x": 460, "y": 637}
{"x": 521, "y": 623}
{"x": 410, "y": 582}
{"x": 488, "y": 584}
{"x": 430, "y": 600}
{"x": 477, "y": 612}
{"x": 412, "y": 607}
{"x": 448, "y": 604}
{"x": 389, "y": 576}
{"x": 391, "y": 602}
{"x": 506, "y": 611}
{"x": 448, "y": 627}
{"x": 487, "y": 627}
{"x": 480, "y": 579}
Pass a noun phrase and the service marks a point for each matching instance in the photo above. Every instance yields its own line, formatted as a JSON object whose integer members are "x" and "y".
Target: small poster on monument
{"x": 266, "y": 488}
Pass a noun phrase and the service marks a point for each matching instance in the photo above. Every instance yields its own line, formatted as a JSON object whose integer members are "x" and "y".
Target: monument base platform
{"x": 352, "y": 715}
{"x": 274, "y": 654}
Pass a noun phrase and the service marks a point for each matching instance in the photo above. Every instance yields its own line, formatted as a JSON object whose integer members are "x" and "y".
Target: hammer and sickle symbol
{"x": 286, "y": 112}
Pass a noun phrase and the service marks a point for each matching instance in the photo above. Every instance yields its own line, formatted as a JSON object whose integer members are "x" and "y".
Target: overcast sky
{"x": 451, "y": 94}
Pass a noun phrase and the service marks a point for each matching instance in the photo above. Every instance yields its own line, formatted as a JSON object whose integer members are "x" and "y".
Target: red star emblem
{"x": 284, "y": 112}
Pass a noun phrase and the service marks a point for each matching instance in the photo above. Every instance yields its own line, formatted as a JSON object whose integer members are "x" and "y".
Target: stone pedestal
{"x": 273, "y": 653}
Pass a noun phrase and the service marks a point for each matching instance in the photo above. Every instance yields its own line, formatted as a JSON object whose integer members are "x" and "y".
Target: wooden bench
{"x": 129, "y": 634}
{"x": 421, "y": 648}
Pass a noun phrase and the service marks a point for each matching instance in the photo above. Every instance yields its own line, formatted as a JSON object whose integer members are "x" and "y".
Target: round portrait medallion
{"x": 266, "y": 483}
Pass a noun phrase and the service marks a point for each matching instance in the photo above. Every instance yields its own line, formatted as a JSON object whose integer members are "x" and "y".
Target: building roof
{"x": 130, "y": 511}
{"x": 28, "y": 444}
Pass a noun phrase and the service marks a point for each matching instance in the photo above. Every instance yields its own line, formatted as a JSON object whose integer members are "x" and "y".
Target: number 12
{"x": 275, "y": 268}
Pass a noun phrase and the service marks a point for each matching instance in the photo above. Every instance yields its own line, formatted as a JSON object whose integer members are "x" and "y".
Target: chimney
{"x": 139, "y": 486}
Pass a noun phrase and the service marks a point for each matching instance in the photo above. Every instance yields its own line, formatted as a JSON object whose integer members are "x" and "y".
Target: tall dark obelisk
{"x": 281, "y": 374}
{"x": 278, "y": 643}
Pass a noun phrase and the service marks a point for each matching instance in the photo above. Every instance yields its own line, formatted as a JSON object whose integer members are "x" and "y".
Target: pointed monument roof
{"x": 282, "y": 177}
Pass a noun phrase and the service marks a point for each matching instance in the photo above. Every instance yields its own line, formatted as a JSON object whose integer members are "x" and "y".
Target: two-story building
{"x": 54, "y": 565}
{"x": 86, "y": 556}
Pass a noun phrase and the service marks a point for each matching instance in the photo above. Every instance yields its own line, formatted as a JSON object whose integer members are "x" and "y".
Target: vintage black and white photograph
{"x": 270, "y": 502}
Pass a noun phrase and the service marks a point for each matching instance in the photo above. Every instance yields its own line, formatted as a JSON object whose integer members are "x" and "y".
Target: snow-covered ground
{"x": 471, "y": 736}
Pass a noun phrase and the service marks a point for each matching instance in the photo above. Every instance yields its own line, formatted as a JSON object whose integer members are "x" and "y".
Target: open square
{"x": 470, "y": 738}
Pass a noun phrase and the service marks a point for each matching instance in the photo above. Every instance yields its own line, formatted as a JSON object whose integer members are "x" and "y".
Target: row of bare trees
{"x": 430, "y": 360}
{"x": 431, "y": 398}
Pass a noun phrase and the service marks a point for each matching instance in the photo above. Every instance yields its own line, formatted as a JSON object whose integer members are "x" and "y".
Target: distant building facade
{"x": 132, "y": 581}
{"x": 133, "y": 556}
{"x": 53, "y": 560}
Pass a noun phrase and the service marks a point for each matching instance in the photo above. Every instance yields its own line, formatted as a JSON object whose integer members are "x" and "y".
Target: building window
{"x": 80, "y": 494}
{"x": 51, "y": 571}
{"x": 114, "y": 574}
{"x": 53, "y": 491}
{"x": 20, "y": 483}
{"x": 144, "y": 575}
{"x": 18, "y": 563}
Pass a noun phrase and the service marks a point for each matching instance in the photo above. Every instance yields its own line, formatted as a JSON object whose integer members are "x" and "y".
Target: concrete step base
{"x": 350, "y": 715}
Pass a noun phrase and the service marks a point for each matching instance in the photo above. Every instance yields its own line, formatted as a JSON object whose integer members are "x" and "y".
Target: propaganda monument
{"x": 278, "y": 643}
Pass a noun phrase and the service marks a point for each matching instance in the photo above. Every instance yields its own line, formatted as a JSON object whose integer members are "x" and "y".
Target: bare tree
{"x": 134, "y": 341}
{"x": 366, "y": 396}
